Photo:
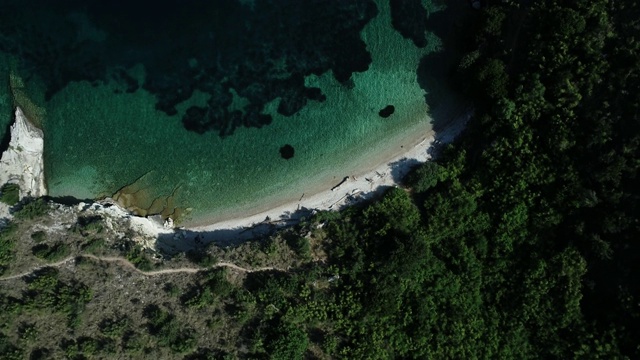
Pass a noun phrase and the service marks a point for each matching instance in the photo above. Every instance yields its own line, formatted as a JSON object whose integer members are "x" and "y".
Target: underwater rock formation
{"x": 287, "y": 152}
{"x": 387, "y": 111}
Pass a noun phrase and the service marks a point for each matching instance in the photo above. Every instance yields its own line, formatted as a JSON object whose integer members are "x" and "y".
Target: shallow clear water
{"x": 97, "y": 141}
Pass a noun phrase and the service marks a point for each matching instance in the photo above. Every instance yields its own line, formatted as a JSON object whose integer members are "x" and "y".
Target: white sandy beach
{"x": 358, "y": 186}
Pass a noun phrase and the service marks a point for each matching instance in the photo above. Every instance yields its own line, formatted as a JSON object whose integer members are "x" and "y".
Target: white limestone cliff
{"x": 22, "y": 163}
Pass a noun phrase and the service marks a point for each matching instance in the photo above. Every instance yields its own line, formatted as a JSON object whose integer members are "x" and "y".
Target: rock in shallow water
{"x": 287, "y": 152}
{"x": 387, "y": 111}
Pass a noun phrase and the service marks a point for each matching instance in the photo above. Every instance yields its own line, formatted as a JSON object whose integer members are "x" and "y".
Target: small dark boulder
{"x": 387, "y": 111}
{"x": 287, "y": 152}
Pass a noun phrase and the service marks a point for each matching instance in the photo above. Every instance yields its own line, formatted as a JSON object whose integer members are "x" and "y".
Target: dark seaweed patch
{"x": 262, "y": 52}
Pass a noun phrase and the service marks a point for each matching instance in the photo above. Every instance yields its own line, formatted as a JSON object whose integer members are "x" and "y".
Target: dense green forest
{"x": 517, "y": 242}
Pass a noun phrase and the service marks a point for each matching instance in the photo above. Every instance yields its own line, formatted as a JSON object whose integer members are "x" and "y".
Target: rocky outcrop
{"x": 22, "y": 163}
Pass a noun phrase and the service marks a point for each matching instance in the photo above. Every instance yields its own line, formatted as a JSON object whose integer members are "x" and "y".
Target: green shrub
{"x": 289, "y": 343}
{"x": 200, "y": 298}
{"x": 8, "y": 350}
{"x": 270, "y": 245}
{"x": 425, "y": 176}
{"x": 55, "y": 252}
{"x": 133, "y": 343}
{"x": 94, "y": 245}
{"x": 10, "y": 194}
{"x": 47, "y": 292}
{"x": 31, "y": 210}
{"x": 167, "y": 331}
{"x": 139, "y": 259}
{"x": 213, "y": 287}
{"x": 27, "y": 332}
{"x": 115, "y": 327}
{"x": 80, "y": 347}
{"x": 7, "y": 242}
{"x": 330, "y": 344}
{"x": 38, "y": 236}
{"x": 88, "y": 225}
{"x": 172, "y": 289}
{"x": 202, "y": 259}
{"x": 300, "y": 245}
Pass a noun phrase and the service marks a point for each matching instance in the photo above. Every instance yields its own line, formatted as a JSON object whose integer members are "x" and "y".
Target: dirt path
{"x": 124, "y": 262}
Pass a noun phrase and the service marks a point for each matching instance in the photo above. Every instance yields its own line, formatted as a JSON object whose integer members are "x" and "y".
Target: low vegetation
{"x": 32, "y": 210}
{"x": 10, "y": 194}
{"x": 7, "y": 244}
{"x": 51, "y": 253}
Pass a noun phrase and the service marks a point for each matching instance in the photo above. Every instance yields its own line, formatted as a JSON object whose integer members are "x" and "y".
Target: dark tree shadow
{"x": 437, "y": 71}
{"x": 71, "y": 201}
{"x": 402, "y": 167}
{"x": 6, "y": 139}
{"x": 183, "y": 240}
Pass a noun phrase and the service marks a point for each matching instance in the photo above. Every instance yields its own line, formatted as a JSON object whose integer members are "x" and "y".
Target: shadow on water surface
{"x": 6, "y": 139}
{"x": 437, "y": 70}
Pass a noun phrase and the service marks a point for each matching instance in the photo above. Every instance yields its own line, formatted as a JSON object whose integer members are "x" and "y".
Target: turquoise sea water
{"x": 97, "y": 141}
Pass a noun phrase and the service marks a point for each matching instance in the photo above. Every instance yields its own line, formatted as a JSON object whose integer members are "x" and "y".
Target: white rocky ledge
{"x": 22, "y": 163}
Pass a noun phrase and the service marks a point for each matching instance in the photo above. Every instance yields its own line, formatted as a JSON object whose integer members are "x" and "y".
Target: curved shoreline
{"x": 357, "y": 186}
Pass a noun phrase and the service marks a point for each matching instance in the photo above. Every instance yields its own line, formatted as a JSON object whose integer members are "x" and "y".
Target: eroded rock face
{"x": 22, "y": 163}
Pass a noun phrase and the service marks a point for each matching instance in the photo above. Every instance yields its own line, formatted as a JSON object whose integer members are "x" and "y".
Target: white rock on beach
{"x": 22, "y": 163}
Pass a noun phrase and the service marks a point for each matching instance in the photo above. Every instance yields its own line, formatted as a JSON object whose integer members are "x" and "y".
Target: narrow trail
{"x": 124, "y": 262}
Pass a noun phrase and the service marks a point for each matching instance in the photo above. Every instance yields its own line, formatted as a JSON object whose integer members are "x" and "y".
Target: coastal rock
{"x": 22, "y": 163}
{"x": 387, "y": 111}
{"x": 287, "y": 152}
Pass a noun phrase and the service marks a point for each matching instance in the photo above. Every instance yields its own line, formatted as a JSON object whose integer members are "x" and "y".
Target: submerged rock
{"x": 387, "y": 111}
{"x": 142, "y": 198}
{"x": 287, "y": 152}
{"x": 22, "y": 163}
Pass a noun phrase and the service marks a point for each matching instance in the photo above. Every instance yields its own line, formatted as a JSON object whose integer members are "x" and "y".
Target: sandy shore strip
{"x": 343, "y": 192}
